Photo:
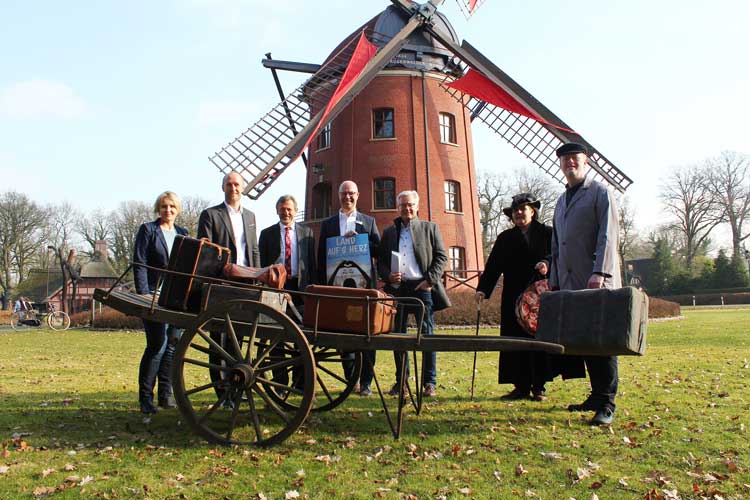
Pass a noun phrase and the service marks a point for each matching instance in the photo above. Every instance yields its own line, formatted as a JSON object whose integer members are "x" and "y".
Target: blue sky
{"x": 102, "y": 102}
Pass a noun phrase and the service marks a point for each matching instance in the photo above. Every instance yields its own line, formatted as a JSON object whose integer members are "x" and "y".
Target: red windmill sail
{"x": 361, "y": 56}
{"x": 477, "y": 85}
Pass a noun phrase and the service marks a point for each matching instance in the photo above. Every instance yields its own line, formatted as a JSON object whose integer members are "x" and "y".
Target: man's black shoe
{"x": 516, "y": 394}
{"x": 603, "y": 417}
{"x": 587, "y": 405}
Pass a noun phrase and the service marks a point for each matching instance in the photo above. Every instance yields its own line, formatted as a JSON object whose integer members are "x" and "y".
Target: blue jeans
{"x": 429, "y": 358}
{"x": 156, "y": 362}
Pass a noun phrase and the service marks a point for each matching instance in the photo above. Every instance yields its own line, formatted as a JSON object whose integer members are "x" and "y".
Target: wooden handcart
{"x": 244, "y": 372}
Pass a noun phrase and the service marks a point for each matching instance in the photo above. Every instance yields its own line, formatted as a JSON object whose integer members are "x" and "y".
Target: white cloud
{"x": 40, "y": 99}
{"x": 241, "y": 111}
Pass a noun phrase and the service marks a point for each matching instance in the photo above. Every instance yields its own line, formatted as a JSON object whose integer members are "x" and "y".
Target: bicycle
{"x": 33, "y": 317}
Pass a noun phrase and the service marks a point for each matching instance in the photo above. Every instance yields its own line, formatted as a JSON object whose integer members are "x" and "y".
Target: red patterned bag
{"x": 527, "y": 305}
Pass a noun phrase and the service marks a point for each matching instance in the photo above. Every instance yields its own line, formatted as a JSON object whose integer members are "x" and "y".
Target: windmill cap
{"x": 571, "y": 148}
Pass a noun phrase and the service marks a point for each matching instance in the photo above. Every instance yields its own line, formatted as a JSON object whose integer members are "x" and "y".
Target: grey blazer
{"x": 584, "y": 240}
{"x": 429, "y": 251}
{"x": 215, "y": 225}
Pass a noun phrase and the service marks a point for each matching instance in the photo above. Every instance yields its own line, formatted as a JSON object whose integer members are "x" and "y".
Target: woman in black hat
{"x": 515, "y": 254}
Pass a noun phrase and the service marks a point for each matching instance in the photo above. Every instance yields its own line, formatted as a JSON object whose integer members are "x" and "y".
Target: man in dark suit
{"x": 230, "y": 225}
{"x": 293, "y": 246}
{"x": 347, "y": 222}
{"x": 289, "y": 239}
{"x": 411, "y": 262}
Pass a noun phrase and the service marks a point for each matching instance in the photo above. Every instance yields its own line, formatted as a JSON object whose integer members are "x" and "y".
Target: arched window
{"x": 447, "y": 128}
{"x": 321, "y": 201}
{"x": 384, "y": 189}
{"x": 324, "y": 138}
{"x": 382, "y": 123}
{"x": 457, "y": 261}
{"x": 452, "y": 196}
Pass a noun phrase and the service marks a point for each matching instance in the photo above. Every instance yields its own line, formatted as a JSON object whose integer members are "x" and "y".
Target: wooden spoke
{"x": 324, "y": 388}
{"x": 208, "y": 365}
{"x": 273, "y": 406}
{"x": 217, "y": 349}
{"x": 333, "y": 374}
{"x": 253, "y": 414}
{"x": 198, "y": 389}
{"x": 251, "y": 340}
{"x": 232, "y": 335}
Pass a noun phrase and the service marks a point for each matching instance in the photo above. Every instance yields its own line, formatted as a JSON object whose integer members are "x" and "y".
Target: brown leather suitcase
{"x": 600, "y": 322}
{"x": 341, "y": 309}
{"x": 195, "y": 257}
{"x": 273, "y": 276}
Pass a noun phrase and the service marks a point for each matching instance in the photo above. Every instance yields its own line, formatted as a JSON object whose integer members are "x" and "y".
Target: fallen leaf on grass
{"x": 594, "y": 496}
{"x": 86, "y": 480}
{"x": 552, "y": 455}
{"x": 289, "y": 495}
{"x": 43, "y": 491}
{"x": 47, "y": 472}
{"x": 497, "y": 475}
{"x": 520, "y": 471}
{"x": 69, "y": 467}
{"x": 4, "y": 469}
{"x": 465, "y": 491}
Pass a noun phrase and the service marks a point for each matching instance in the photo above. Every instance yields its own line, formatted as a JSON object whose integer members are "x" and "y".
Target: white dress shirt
{"x": 347, "y": 222}
{"x": 293, "y": 236}
{"x": 238, "y": 228}
{"x": 409, "y": 267}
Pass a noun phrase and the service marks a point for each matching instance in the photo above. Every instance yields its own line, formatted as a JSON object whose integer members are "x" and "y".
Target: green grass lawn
{"x": 70, "y": 428}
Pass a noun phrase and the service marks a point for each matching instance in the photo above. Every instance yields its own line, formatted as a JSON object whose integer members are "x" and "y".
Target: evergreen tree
{"x": 663, "y": 268}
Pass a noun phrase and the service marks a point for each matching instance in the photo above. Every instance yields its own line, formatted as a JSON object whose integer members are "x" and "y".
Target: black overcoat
{"x": 515, "y": 258}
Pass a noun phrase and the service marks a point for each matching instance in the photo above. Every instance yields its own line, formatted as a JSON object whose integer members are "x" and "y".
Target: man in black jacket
{"x": 347, "y": 222}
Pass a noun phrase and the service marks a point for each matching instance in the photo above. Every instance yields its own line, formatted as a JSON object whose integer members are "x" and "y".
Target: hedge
{"x": 711, "y": 299}
{"x": 108, "y": 319}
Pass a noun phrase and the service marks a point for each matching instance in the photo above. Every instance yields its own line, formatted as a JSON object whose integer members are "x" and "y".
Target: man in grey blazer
{"x": 416, "y": 272}
{"x": 585, "y": 255}
{"x": 231, "y": 225}
{"x": 347, "y": 222}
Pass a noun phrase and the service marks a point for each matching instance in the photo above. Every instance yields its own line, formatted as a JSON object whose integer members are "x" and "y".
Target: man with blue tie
{"x": 348, "y": 222}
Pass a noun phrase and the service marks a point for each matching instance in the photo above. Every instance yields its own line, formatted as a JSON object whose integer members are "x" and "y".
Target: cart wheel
{"x": 236, "y": 408}
{"x": 332, "y": 387}
{"x": 58, "y": 320}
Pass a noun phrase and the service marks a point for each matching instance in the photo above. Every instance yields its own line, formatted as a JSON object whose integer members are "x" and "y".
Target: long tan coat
{"x": 585, "y": 236}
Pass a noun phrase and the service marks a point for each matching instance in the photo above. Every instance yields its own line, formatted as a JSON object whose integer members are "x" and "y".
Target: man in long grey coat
{"x": 584, "y": 255}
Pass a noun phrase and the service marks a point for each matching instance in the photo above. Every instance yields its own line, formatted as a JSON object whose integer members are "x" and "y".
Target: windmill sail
{"x": 265, "y": 150}
{"x": 537, "y": 137}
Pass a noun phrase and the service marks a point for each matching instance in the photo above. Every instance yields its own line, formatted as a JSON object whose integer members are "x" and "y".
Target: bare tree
{"x": 540, "y": 185}
{"x": 192, "y": 206}
{"x": 687, "y": 195}
{"x": 124, "y": 223}
{"x": 627, "y": 236}
{"x": 94, "y": 227}
{"x": 492, "y": 194}
{"x": 730, "y": 183}
{"x": 21, "y": 223}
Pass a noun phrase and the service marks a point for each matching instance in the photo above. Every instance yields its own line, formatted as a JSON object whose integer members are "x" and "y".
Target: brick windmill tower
{"x": 391, "y": 108}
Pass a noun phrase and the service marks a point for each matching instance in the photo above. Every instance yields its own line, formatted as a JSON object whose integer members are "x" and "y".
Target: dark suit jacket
{"x": 429, "y": 252}
{"x": 330, "y": 227}
{"x": 215, "y": 225}
{"x": 270, "y": 251}
{"x": 150, "y": 249}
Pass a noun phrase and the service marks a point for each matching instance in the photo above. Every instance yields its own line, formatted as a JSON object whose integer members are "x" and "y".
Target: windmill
{"x": 391, "y": 107}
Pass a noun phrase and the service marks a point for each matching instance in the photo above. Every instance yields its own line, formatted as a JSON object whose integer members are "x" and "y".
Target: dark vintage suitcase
{"x": 600, "y": 322}
{"x": 195, "y": 257}
{"x": 212, "y": 294}
{"x": 348, "y": 313}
